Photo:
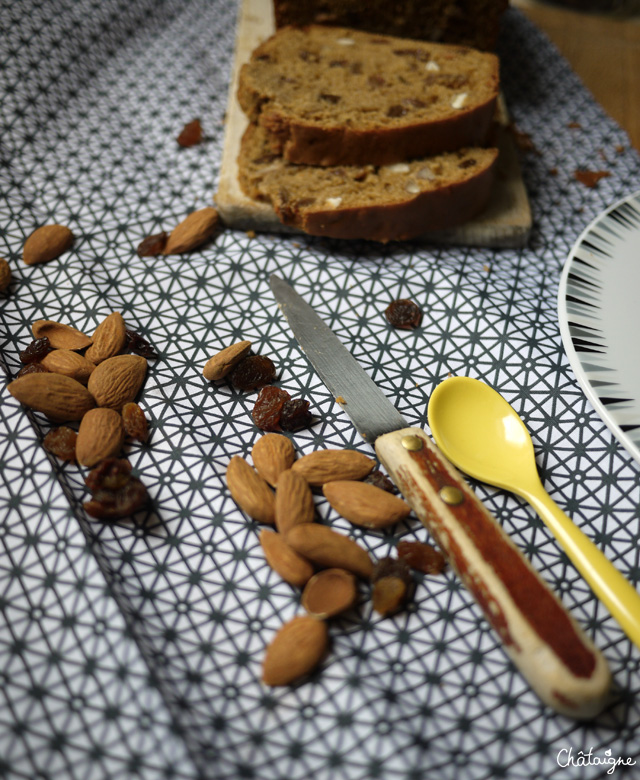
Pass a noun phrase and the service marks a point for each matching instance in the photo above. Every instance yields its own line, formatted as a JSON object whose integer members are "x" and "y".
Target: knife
{"x": 547, "y": 645}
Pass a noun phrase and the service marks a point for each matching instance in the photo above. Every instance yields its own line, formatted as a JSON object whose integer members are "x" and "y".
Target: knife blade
{"x": 553, "y": 653}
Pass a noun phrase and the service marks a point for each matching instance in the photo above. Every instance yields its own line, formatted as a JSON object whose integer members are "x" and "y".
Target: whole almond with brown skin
{"x": 222, "y": 362}
{"x": 272, "y": 454}
{"x": 364, "y": 504}
{"x": 326, "y": 547}
{"x": 192, "y": 232}
{"x": 100, "y": 436}
{"x": 60, "y": 336}
{"x": 294, "y": 501}
{"x": 284, "y": 560}
{"x": 109, "y": 338}
{"x": 296, "y": 650}
{"x": 5, "y": 275}
{"x": 329, "y": 592}
{"x": 69, "y": 363}
{"x": 59, "y": 397}
{"x": 250, "y": 492}
{"x": 326, "y": 465}
{"x": 117, "y": 380}
{"x": 46, "y": 243}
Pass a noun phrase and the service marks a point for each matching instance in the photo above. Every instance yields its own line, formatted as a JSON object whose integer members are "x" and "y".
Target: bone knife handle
{"x": 552, "y": 652}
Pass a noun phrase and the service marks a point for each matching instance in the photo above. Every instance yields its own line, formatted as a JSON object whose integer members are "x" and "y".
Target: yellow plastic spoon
{"x": 480, "y": 433}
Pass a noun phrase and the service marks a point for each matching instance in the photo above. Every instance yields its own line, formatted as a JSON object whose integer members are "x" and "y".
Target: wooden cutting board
{"x": 506, "y": 221}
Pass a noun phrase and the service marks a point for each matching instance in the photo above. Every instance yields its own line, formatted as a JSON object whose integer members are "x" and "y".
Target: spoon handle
{"x": 609, "y": 585}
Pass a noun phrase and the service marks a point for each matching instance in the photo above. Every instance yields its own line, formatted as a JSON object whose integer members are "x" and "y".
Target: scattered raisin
{"x": 268, "y": 408}
{"x": 36, "y": 350}
{"x": 591, "y": 178}
{"x": 403, "y": 313}
{"x": 295, "y": 415}
{"x": 136, "y": 343}
{"x": 135, "y": 423}
{"x": 191, "y": 134}
{"x": 392, "y": 585}
{"x": 115, "y": 492}
{"x": 382, "y": 481}
{"x": 32, "y": 368}
{"x": 61, "y": 442}
{"x": 422, "y": 557}
{"x": 153, "y": 245}
{"x": 253, "y": 372}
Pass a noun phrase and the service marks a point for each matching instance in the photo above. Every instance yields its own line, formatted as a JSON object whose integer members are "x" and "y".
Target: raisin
{"x": 268, "y": 408}
{"x": 396, "y": 111}
{"x": 329, "y": 98}
{"x": 135, "y": 423}
{"x": 590, "y": 178}
{"x": 153, "y": 245}
{"x": 380, "y": 480}
{"x": 295, "y": 415}
{"x": 468, "y": 163}
{"x": 115, "y": 491}
{"x": 136, "y": 343}
{"x": 403, "y": 313}
{"x": 392, "y": 585}
{"x": 36, "y": 350}
{"x": 422, "y": 557}
{"x": 191, "y": 134}
{"x": 253, "y": 372}
{"x": 32, "y": 368}
{"x": 61, "y": 442}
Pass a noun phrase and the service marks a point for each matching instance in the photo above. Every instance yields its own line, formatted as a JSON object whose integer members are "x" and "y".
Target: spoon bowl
{"x": 481, "y": 434}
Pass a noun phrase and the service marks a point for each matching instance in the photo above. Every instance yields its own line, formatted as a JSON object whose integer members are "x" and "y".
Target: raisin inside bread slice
{"x": 381, "y": 203}
{"x": 336, "y": 96}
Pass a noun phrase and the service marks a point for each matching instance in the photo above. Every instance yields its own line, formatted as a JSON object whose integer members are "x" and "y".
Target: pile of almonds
{"x": 71, "y": 377}
{"x": 326, "y": 564}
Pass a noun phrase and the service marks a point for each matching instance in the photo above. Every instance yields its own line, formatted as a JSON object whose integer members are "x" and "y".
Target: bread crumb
{"x": 341, "y": 400}
{"x": 251, "y": 233}
{"x": 574, "y": 126}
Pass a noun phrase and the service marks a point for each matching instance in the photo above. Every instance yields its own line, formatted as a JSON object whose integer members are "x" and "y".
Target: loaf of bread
{"x": 381, "y": 203}
{"x": 471, "y": 22}
{"x": 336, "y": 96}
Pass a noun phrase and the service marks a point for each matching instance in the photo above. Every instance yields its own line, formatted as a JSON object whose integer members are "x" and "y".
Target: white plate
{"x": 599, "y": 310}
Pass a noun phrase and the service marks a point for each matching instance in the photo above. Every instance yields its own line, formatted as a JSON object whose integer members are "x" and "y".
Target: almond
{"x": 69, "y": 363}
{"x": 46, "y": 243}
{"x": 59, "y": 397}
{"x": 192, "y": 232}
{"x": 296, "y": 650}
{"x": 272, "y": 454}
{"x": 5, "y": 275}
{"x": 326, "y": 465}
{"x": 222, "y": 362}
{"x": 294, "y": 501}
{"x": 100, "y": 436}
{"x": 117, "y": 379}
{"x": 364, "y": 504}
{"x": 250, "y": 492}
{"x": 60, "y": 336}
{"x": 284, "y": 560}
{"x": 108, "y": 338}
{"x": 329, "y": 592}
{"x": 326, "y": 547}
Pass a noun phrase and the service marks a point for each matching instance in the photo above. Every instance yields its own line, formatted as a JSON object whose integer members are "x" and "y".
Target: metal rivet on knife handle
{"x": 451, "y": 495}
{"x": 412, "y": 443}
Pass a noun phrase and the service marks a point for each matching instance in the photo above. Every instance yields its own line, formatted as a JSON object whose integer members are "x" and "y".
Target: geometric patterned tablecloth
{"x": 129, "y": 651}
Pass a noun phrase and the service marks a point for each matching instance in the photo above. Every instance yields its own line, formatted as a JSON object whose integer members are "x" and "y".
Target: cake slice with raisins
{"x": 335, "y": 96}
{"x": 382, "y": 203}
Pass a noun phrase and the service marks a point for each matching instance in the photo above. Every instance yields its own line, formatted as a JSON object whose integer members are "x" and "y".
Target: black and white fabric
{"x": 134, "y": 649}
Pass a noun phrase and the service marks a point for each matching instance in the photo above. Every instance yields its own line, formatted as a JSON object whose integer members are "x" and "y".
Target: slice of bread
{"x": 336, "y": 96}
{"x": 381, "y": 203}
